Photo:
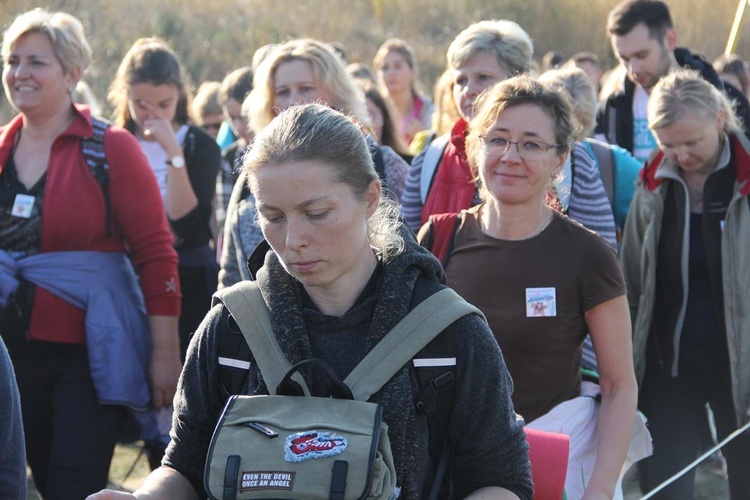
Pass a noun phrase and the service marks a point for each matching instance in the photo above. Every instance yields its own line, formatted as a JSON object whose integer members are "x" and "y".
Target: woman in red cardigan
{"x": 51, "y": 208}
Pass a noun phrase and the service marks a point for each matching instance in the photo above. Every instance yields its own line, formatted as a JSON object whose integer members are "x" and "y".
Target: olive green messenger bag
{"x": 291, "y": 445}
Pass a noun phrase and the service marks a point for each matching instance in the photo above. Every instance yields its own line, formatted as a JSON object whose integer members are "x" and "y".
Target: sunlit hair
{"x": 330, "y": 75}
{"x": 149, "y": 60}
{"x": 404, "y": 50}
{"x": 64, "y": 31}
{"x": 316, "y": 132}
{"x": 505, "y": 40}
{"x": 261, "y": 53}
{"x": 583, "y": 96}
{"x": 206, "y": 101}
{"x": 684, "y": 92}
{"x": 517, "y": 91}
{"x": 446, "y": 113}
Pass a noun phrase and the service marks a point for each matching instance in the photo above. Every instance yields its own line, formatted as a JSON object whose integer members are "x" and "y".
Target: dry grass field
{"x": 215, "y": 37}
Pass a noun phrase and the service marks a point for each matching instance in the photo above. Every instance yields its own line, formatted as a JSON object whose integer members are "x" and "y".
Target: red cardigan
{"x": 74, "y": 218}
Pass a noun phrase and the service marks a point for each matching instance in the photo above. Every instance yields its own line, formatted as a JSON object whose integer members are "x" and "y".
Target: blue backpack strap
{"x": 432, "y": 158}
{"x": 93, "y": 153}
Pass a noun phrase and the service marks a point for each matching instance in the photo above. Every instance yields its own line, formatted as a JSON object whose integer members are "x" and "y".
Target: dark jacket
{"x": 614, "y": 118}
{"x": 202, "y": 161}
{"x": 488, "y": 439}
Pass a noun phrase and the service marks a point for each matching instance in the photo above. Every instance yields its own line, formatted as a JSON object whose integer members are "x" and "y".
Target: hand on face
{"x": 154, "y": 108}
{"x": 156, "y": 127}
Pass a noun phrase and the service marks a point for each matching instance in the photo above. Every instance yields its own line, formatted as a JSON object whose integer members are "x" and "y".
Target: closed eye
{"x": 318, "y": 215}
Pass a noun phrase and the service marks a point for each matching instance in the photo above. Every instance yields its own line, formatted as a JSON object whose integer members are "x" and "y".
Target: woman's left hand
{"x": 164, "y": 373}
{"x": 165, "y": 366}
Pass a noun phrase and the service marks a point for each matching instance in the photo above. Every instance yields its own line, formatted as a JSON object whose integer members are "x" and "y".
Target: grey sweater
{"x": 488, "y": 438}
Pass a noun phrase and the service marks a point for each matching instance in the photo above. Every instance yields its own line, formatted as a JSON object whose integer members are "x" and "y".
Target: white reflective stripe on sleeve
{"x": 234, "y": 363}
{"x": 433, "y": 362}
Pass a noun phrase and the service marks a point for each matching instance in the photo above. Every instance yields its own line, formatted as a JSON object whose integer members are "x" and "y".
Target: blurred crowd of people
{"x": 599, "y": 218}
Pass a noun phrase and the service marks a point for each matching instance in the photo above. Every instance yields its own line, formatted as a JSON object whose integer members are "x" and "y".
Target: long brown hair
{"x": 149, "y": 60}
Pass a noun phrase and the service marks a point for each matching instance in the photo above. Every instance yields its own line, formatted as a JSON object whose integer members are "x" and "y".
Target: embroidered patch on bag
{"x": 541, "y": 302}
{"x": 267, "y": 480}
{"x": 313, "y": 444}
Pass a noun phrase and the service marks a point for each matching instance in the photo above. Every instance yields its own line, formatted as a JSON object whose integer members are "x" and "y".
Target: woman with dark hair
{"x": 87, "y": 337}
{"x": 151, "y": 100}
{"x": 382, "y": 123}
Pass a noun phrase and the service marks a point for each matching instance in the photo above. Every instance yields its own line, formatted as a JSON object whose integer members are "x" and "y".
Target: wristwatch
{"x": 176, "y": 161}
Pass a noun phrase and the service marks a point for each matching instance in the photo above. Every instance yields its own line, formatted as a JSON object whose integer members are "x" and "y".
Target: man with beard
{"x": 645, "y": 42}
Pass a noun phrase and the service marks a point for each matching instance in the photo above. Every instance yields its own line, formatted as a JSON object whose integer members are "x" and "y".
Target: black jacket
{"x": 614, "y": 118}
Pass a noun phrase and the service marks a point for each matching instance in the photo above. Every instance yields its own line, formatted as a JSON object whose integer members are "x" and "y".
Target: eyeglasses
{"x": 528, "y": 150}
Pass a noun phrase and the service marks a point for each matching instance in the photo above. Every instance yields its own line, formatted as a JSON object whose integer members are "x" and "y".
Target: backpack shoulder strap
{"x": 93, "y": 153}
{"x": 405, "y": 340}
{"x": 605, "y": 159}
{"x": 442, "y": 235}
{"x": 249, "y": 310}
{"x": 432, "y": 158}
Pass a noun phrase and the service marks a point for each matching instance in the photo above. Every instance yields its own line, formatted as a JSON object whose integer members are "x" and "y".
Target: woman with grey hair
{"x": 687, "y": 267}
{"x": 338, "y": 273}
{"x": 440, "y": 179}
{"x": 74, "y": 318}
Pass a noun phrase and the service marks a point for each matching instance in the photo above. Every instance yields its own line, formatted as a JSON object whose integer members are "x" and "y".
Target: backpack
{"x": 441, "y": 235}
{"x": 93, "y": 153}
{"x": 433, "y": 154}
{"x": 605, "y": 157}
{"x": 412, "y": 340}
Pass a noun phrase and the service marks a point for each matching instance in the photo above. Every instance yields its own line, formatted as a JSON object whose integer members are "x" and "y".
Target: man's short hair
{"x": 627, "y": 15}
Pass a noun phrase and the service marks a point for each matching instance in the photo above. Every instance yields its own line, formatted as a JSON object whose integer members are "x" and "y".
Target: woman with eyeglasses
{"x": 686, "y": 263}
{"x": 440, "y": 178}
{"x": 543, "y": 280}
